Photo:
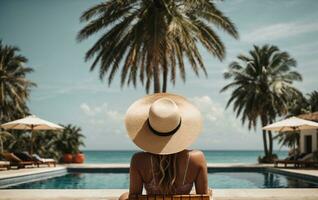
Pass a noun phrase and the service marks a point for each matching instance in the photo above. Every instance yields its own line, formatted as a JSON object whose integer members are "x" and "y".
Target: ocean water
{"x": 215, "y": 156}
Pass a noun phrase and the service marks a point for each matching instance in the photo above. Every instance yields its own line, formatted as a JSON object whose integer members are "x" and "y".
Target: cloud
{"x": 104, "y": 126}
{"x": 280, "y": 31}
{"x": 221, "y": 129}
{"x": 216, "y": 118}
{"x": 101, "y": 111}
{"x": 210, "y": 110}
{"x": 85, "y": 108}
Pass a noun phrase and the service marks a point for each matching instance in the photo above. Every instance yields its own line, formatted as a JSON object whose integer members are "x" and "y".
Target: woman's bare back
{"x": 191, "y": 168}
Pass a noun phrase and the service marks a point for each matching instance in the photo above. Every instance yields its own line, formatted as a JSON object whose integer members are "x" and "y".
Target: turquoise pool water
{"x": 237, "y": 156}
{"x": 234, "y": 179}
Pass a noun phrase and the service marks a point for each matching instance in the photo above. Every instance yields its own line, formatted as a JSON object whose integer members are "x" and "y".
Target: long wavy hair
{"x": 167, "y": 172}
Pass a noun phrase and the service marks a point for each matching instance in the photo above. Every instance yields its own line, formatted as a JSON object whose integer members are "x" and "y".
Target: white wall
{"x": 313, "y": 133}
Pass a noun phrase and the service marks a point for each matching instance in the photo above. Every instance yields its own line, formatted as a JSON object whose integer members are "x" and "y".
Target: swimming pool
{"x": 218, "y": 178}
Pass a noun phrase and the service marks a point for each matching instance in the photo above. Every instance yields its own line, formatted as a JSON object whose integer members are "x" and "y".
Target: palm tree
{"x": 313, "y": 101}
{"x": 18, "y": 143}
{"x": 14, "y": 87}
{"x": 45, "y": 144}
{"x": 262, "y": 87}
{"x": 3, "y": 136}
{"x": 151, "y": 38}
{"x": 289, "y": 139}
{"x": 298, "y": 105}
{"x": 302, "y": 105}
{"x": 70, "y": 140}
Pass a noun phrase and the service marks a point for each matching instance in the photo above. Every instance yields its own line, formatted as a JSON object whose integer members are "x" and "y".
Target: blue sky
{"x": 67, "y": 92}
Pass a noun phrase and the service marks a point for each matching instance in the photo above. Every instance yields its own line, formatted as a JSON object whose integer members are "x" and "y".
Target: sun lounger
{"x": 15, "y": 161}
{"x": 4, "y": 164}
{"x": 296, "y": 163}
{"x": 25, "y": 156}
{"x": 46, "y": 161}
{"x": 304, "y": 160}
{"x": 170, "y": 197}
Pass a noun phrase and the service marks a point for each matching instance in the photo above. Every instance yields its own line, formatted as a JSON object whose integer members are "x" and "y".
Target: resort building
{"x": 309, "y": 138}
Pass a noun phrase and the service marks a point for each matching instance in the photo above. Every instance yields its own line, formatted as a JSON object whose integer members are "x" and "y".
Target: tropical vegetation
{"x": 302, "y": 104}
{"x": 70, "y": 140}
{"x": 152, "y": 38}
{"x": 3, "y": 136}
{"x": 261, "y": 84}
{"x": 48, "y": 143}
{"x": 15, "y": 90}
{"x": 14, "y": 86}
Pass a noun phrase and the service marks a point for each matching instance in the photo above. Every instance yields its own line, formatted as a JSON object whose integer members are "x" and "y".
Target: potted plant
{"x": 77, "y": 141}
{"x": 67, "y": 157}
{"x": 64, "y": 147}
{"x": 79, "y": 157}
{"x": 69, "y": 142}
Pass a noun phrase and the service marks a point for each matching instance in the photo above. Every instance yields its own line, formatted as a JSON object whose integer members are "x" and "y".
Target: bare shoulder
{"x": 198, "y": 157}
{"x": 197, "y": 154}
{"x": 139, "y": 157}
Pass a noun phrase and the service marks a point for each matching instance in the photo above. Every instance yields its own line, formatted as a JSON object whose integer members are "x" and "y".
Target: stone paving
{"x": 28, "y": 171}
{"x": 108, "y": 194}
{"x": 310, "y": 172}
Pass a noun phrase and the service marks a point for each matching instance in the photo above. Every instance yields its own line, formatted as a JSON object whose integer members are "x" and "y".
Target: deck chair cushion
{"x": 48, "y": 160}
{"x": 23, "y": 156}
{"x": 11, "y": 157}
{"x": 3, "y": 163}
{"x": 37, "y": 157}
{"x": 307, "y": 157}
{"x": 44, "y": 160}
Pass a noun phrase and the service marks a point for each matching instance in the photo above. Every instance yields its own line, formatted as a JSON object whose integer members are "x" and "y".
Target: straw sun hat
{"x": 163, "y": 123}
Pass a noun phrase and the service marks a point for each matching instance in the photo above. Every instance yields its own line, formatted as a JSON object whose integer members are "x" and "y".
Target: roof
{"x": 310, "y": 116}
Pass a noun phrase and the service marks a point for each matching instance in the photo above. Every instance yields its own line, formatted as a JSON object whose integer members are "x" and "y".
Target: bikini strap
{"x": 153, "y": 173}
{"x": 186, "y": 169}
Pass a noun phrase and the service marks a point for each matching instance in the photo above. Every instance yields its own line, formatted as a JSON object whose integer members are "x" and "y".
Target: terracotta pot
{"x": 67, "y": 158}
{"x": 79, "y": 158}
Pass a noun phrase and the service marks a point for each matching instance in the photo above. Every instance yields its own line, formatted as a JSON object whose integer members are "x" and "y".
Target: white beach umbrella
{"x": 291, "y": 124}
{"x": 31, "y": 123}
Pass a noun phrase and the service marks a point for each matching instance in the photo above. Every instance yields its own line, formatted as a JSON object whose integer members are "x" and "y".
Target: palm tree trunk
{"x": 164, "y": 77}
{"x": 156, "y": 79}
{"x": 1, "y": 145}
{"x": 265, "y": 143}
{"x": 1, "y": 141}
{"x": 32, "y": 138}
{"x": 264, "y": 123}
{"x": 298, "y": 140}
{"x": 270, "y": 143}
{"x": 155, "y": 54}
